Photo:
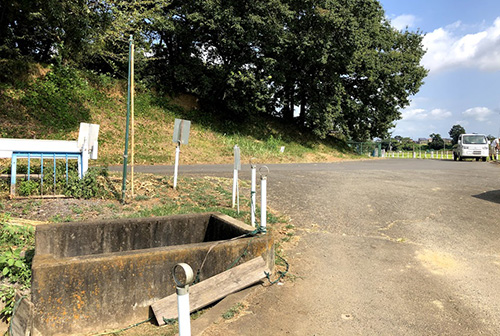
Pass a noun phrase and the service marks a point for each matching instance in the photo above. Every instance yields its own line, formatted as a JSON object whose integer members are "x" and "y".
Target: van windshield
{"x": 474, "y": 140}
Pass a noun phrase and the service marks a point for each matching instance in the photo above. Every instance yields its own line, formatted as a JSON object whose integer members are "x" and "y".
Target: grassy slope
{"x": 103, "y": 101}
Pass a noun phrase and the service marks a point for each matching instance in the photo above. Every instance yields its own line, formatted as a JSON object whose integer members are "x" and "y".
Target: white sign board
{"x": 237, "y": 161}
{"x": 181, "y": 131}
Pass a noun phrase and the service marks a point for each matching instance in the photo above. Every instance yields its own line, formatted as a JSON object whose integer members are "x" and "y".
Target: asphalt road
{"x": 386, "y": 247}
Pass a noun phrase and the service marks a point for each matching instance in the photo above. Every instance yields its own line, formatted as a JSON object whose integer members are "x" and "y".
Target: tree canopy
{"x": 333, "y": 66}
{"x": 437, "y": 142}
{"x": 455, "y": 132}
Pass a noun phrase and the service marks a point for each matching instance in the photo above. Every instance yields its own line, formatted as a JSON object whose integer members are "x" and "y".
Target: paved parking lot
{"x": 387, "y": 247}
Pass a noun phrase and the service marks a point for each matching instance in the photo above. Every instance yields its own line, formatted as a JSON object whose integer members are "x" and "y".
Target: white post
{"x": 182, "y": 289}
{"x": 176, "y": 166}
{"x": 85, "y": 157}
{"x": 237, "y": 166}
{"x": 253, "y": 190}
{"x": 183, "y": 311}
{"x": 263, "y": 202}
{"x": 235, "y": 179}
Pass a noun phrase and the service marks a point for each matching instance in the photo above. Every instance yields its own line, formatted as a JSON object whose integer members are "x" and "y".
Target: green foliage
{"x": 455, "y": 132}
{"x": 437, "y": 142}
{"x": 16, "y": 255}
{"x": 234, "y": 310}
{"x": 339, "y": 64}
{"x": 16, "y": 265}
{"x": 28, "y": 188}
{"x": 92, "y": 185}
{"x": 58, "y": 99}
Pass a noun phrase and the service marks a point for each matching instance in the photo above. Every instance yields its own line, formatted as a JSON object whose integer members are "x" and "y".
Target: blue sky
{"x": 462, "y": 39}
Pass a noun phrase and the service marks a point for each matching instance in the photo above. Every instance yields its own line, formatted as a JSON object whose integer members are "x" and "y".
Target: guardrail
{"x": 83, "y": 149}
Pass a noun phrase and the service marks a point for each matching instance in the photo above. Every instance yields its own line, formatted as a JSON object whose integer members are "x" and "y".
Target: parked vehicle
{"x": 471, "y": 146}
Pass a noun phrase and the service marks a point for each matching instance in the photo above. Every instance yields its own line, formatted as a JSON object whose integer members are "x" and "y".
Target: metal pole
{"x": 176, "y": 166}
{"x": 132, "y": 131}
{"x": 125, "y": 153}
{"x": 253, "y": 190}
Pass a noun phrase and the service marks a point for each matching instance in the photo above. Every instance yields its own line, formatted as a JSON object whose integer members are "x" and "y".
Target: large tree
{"x": 338, "y": 64}
{"x": 437, "y": 142}
{"x": 455, "y": 132}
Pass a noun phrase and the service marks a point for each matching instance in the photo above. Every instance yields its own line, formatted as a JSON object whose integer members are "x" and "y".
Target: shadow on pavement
{"x": 492, "y": 196}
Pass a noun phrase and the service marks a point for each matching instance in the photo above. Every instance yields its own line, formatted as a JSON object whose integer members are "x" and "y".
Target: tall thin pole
{"x": 125, "y": 153}
{"x": 132, "y": 128}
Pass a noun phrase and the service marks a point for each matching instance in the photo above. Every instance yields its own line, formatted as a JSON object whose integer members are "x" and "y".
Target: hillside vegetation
{"x": 47, "y": 102}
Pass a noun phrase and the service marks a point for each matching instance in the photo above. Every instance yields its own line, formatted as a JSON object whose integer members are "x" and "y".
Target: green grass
{"x": 37, "y": 107}
{"x": 234, "y": 310}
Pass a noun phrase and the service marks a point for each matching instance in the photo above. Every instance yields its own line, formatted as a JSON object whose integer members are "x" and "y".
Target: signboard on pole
{"x": 181, "y": 131}
{"x": 237, "y": 161}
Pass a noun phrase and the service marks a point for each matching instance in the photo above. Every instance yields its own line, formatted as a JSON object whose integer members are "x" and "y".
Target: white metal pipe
{"x": 176, "y": 167}
{"x": 183, "y": 311}
{"x": 253, "y": 190}
{"x": 263, "y": 203}
{"x": 235, "y": 186}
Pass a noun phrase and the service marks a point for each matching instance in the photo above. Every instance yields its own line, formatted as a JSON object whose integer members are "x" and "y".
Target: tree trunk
{"x": 302, "y": 115}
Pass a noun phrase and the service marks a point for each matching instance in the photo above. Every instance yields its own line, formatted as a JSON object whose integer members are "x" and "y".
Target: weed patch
{"x": 17, "y": 246}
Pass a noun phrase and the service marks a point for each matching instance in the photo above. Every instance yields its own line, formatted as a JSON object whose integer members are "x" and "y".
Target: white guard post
{"x": 263, "y": 198}
{"x": 182, "y": 288}
{"x": 253, "y": 191}
{"x": 176, "y": 166}
{"x": 237, "y": 166}
{"x": 181, "y": 136}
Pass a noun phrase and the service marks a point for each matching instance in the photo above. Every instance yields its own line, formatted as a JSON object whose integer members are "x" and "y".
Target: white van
{"x": 471, "y": 146}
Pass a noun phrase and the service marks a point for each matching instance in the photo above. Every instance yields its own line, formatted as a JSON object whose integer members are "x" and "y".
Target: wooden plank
{"x": 213, "y": 289}
{"x": 24, "y": 222}
{"x": 22, "y": 321}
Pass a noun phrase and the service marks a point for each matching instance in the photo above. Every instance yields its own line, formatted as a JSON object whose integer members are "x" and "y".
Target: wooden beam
{"x": 213, "y": 289}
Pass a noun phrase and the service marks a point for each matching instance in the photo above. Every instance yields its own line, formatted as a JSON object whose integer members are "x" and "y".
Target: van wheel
{"x": 484, "y": 159}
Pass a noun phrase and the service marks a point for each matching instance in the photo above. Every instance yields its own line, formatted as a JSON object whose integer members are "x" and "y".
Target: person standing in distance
{"x": 494, "y": 147}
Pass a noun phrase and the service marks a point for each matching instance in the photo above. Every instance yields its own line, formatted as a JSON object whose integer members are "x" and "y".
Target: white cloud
{"x": 422, "y": 114}
{"x": 478, "y": 113}
{"x": 440, "y": 114}
{"x": 448, "y": 48}
{"x": 403, "y": 21}
{"x": 414, "y": 114}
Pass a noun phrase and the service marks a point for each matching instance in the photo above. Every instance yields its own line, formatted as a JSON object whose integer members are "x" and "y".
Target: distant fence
{"x": 438, "y": 154}
{"x": 367, "y": 148}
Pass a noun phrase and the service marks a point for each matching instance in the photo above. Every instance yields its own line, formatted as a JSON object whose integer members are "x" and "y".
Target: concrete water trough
{"x": 92, "y": 276}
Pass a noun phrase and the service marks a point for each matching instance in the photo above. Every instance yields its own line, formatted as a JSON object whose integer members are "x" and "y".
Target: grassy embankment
{"x": 47, "y": 104}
